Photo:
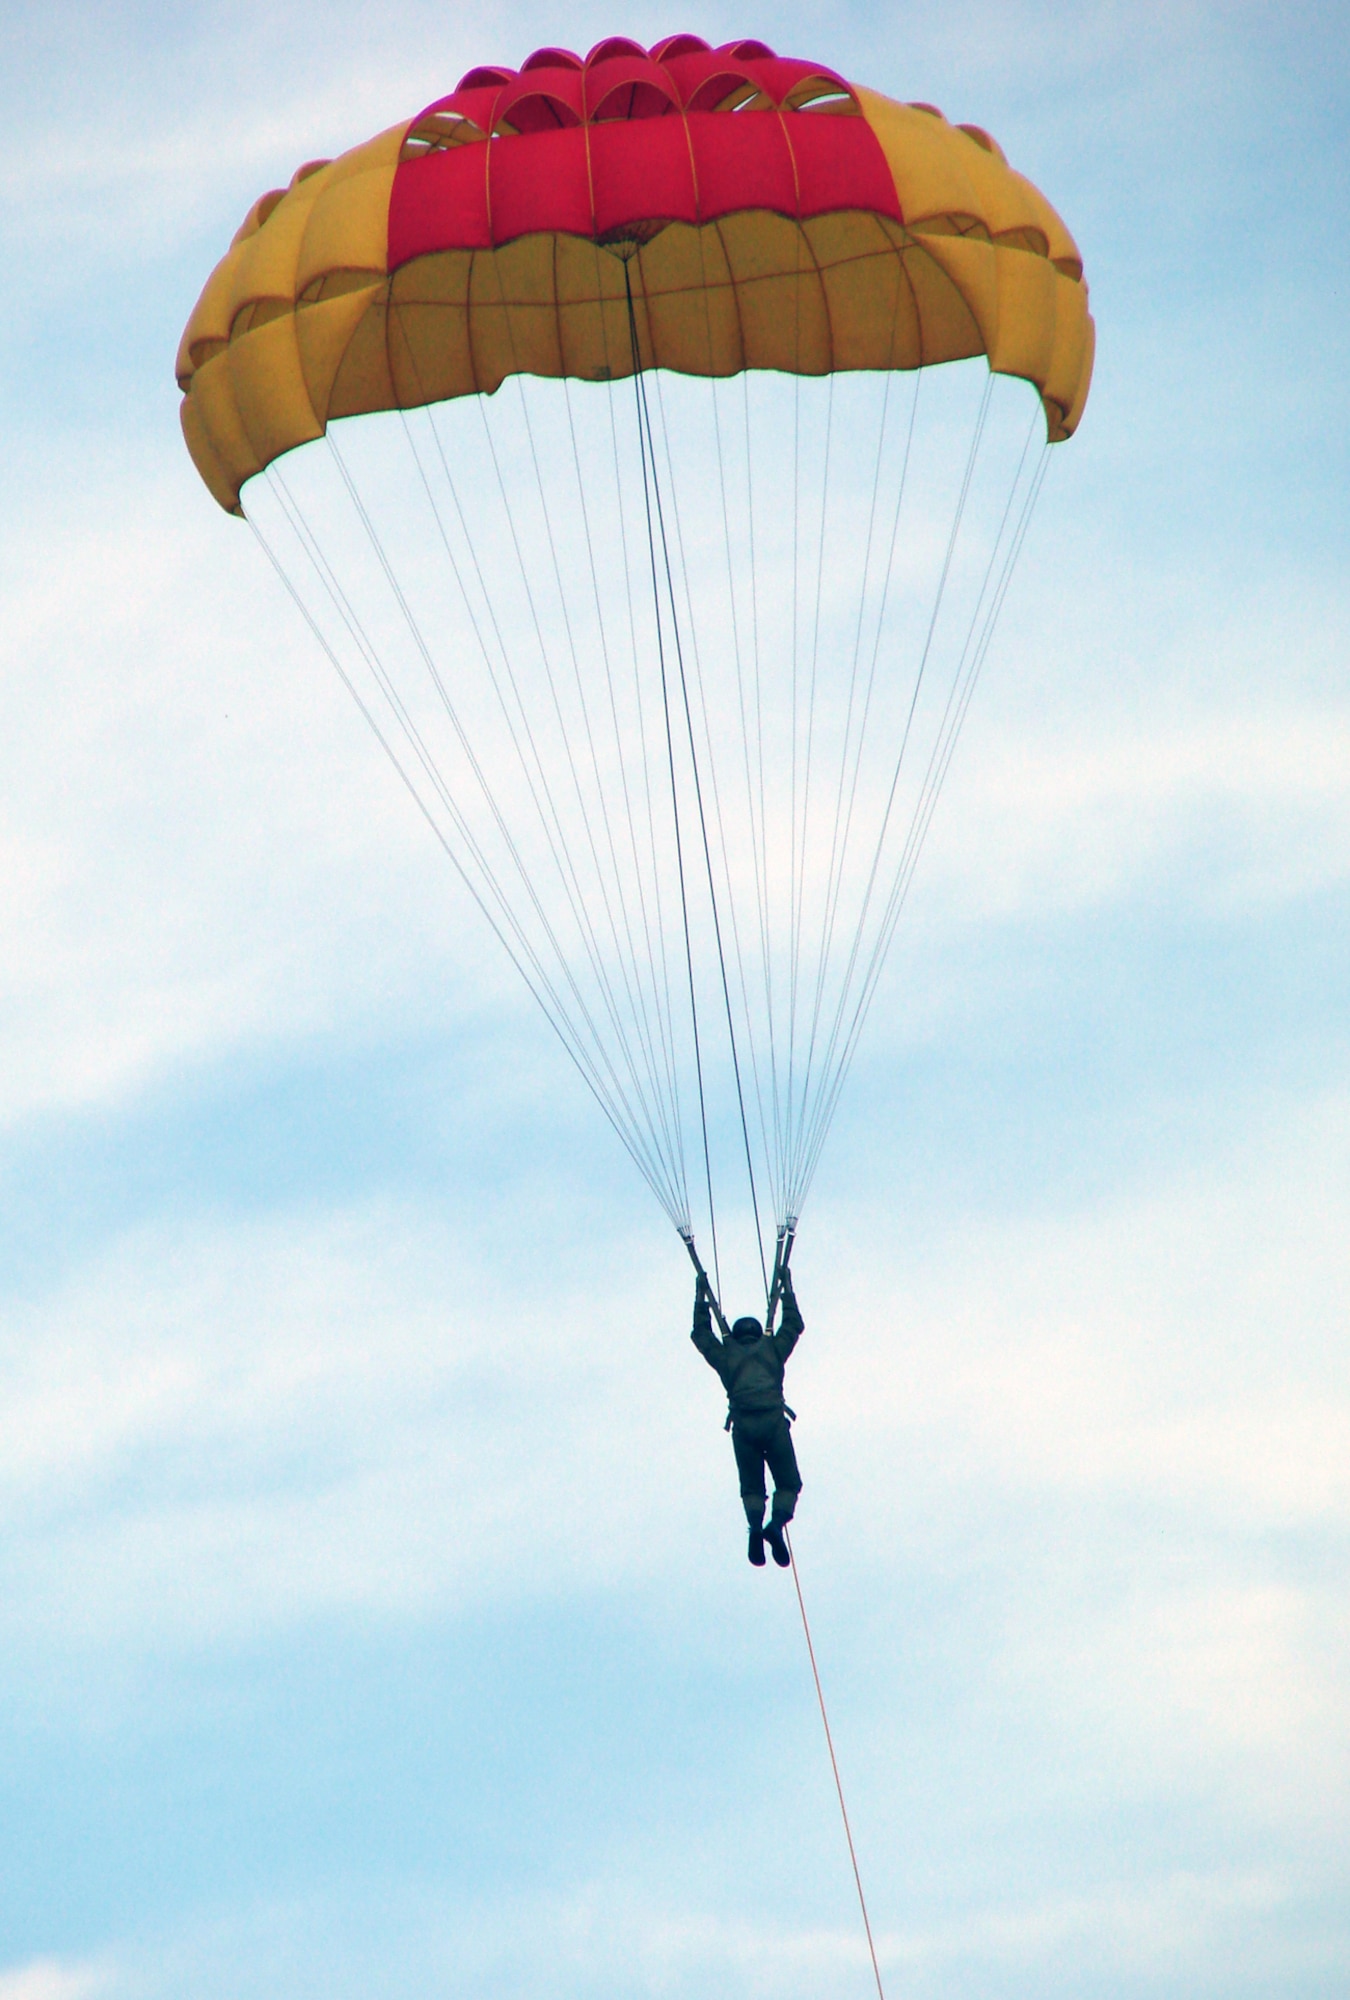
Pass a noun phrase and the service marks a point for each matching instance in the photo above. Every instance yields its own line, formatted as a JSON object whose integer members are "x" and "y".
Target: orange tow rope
{"x": 834, "y": 1766}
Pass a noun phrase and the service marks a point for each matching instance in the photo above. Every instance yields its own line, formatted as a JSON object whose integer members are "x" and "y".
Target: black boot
{"x": 754, "y": 1514}
{"x": 784, "y": 1505}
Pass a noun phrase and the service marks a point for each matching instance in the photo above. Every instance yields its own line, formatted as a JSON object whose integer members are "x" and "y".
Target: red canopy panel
{"x": 592, "y": 180}
{"x": 627, "y": 140}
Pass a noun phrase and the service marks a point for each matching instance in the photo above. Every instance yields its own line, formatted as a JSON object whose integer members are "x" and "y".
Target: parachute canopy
{"x": 771, "y": 216}
{"x": 672, "y": 636}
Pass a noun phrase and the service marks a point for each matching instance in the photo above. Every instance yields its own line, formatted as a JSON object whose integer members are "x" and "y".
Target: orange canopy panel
{"x": 698, "y": 209}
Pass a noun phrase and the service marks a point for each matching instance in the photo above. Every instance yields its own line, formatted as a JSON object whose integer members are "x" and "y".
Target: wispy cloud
{"x": 1074, "y": 1420}
{"x": 55, "y": 1979}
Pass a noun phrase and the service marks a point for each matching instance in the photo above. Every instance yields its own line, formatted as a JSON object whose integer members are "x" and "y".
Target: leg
{"x": 787, "y": 1484}
{"x": 787, "y": 1481}
{"x": 750, "y": 1468}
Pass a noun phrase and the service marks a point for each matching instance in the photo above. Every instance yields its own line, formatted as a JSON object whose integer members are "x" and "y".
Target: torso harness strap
{"x": 788, "y": 1412}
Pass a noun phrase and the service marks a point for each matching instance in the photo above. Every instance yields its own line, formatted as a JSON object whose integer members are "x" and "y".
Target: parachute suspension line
{"x": 757, "y": 828}
{"x": 724, "y": 845}
{"x": 758, "y": 850}
{"x": 837, "y": 1034}
{"x": 973, "y": 655}
{"x": 641, "y": 1024}
{"x": 766, "y": 918}
{"x": 799, "y": 834}
{"x": 647, "y": 481}
{"x": 599, "y": 1068}
{"x": 755, "y": 835}
{"x": 971, "y": 660}
{"x": 798, "y": 919}
{"x": 971, "y": 663}
{"x": 634, "y": 1115}
{"x": 840, "y": 837}
{"x": 364, "y": 646}
{"x": 839, "y": 843}
{"x": 834, "y": 1766}
{"x": 588, "y": 930}
{"x": 653, "y": 1025}
{"x": 523, "y": 959}
{"x": 703, "y": 830}
{"x": 795, "y": 658}
{"x": 595, "y": 1063}
{"x": 662, "y": 1031}
{"x": 533, "y": 771}
{"x": 654, "y": 1118}
{"x": 517, "y": 724}
{"x": 665, "y": 999}
{"x": 419, "y": 641}
{"x": 645, "y": 431}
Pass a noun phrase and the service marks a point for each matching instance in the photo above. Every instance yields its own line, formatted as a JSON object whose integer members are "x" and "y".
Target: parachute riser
{"x": 697, "y": 1263}
{"x": 787, "y": 1232}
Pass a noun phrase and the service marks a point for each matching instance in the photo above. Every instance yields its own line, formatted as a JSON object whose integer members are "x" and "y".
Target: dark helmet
{"x": 746, "y": 1330}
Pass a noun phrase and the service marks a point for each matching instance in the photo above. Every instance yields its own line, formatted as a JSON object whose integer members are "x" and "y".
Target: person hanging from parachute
{"x": 750, "y": 1359}
{"x": 619, "y": 235}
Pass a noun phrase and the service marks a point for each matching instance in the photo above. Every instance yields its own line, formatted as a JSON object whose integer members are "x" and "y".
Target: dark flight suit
{"x": 752, "y": 1375}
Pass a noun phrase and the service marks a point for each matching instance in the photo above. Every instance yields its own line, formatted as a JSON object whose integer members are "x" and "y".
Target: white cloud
{"x": 1190, "y": 752}
{"x": 596, "y": 1934}
{"x": 1142, "y": 1347}
{"x": 201, "y": 847}
{"x": 54, "y": 1979}
{"x": 240, "y": 1426}
{"x": 1151, "y": 1928}
{"x": 128, "y": 140}
{"x": 1226, "y": 815}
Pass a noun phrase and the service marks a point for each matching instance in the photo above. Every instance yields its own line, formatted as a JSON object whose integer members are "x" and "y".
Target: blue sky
{"x": 375, "y": 1610}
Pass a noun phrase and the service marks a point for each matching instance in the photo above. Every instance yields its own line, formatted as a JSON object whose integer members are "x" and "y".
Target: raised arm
{"x": 786, "y": 1335}
{"x": 702, "y": 1335}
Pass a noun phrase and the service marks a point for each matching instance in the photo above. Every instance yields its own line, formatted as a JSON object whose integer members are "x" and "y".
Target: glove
{"x": 702, "y": 1289}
